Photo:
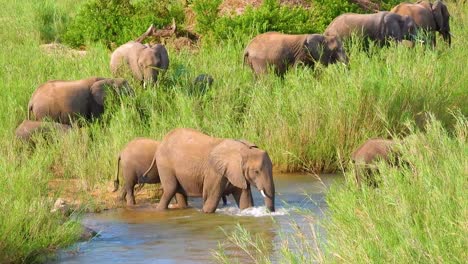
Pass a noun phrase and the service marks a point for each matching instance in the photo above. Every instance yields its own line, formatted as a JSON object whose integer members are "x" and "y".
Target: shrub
{"x": 270, "y": 16}
{"x": 119, "y": 21}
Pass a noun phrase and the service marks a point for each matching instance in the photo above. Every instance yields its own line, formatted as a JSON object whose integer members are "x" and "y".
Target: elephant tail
{"x": 116, "y": 182}
{"x": 153, "y": 162}
{"x": 30, "y": 108}
{"x": 246, "y": 57}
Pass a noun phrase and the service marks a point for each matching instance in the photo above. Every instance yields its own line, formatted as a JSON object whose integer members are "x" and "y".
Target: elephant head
{"x": 408, "y": 27}
{"x": 442, "y": 17}
{"x": 152, "y": 60}
{"x": 326, "y": 49}
{"x": 243, "y": 163}
{"x": 98, "y": 91}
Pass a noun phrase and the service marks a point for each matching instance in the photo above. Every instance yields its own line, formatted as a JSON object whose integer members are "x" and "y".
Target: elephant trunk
{"x": 447, "y": 37}
{"x": 268, "y": 193}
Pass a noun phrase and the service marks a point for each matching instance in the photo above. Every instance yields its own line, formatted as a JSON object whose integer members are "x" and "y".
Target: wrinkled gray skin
{"x": 428, "y": 17}
{"x": 197, "y": 165}
{"x": 144, "y": 61}
{"x": 282, "y": 51}
{"x": 379, "y": 27}
{"x": 66, "y": 101}
{"x": 29, "y": 128}
{"x": 369, "y": 153}
{"x": 134, "y": 161}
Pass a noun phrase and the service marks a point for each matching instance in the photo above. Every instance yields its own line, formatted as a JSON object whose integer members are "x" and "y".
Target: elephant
{"x": 65, "y": 101}
{"x": 134, "y": 159}
{"x": 428, "y": 17}
{"x": 27, "y": 129}
{"x": 370, "y": 152}
{"x": 379, "y": 27}
{"x": 144, "y": 61}
{"x": 197, "y": 165}
{"x": 283, "y": 50}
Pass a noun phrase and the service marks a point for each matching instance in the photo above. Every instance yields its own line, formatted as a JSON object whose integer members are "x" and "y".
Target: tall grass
{"x": 417, "y": 214}
{"x": 311, "y": 120}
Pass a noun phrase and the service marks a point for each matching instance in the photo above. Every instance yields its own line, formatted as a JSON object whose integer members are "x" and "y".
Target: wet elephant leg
{"x": 243, "y": 198}
{"x": 181, "y": 199}
{"x": 130, "y": 182}
{"x": 169, "y": 184}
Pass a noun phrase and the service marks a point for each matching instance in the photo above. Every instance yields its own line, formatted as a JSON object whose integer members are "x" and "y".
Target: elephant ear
{"x": 98, "y": 90}
{"x": 314, "y": 44}
{"x": 227, "y": 160}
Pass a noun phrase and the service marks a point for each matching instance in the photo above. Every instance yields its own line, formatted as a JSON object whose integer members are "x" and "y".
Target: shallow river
{"x": 143, "y": 235}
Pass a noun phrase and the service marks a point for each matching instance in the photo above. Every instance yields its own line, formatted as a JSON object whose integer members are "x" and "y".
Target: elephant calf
{"x": 428, "y": 17}
{"x": 28, "y": 128}
{"x": 366, "y": 156}
{"x": 134, "y": 159}
{"x": 379, "y": 27}
{"x": 66, "y": 101}
{"x": 282, "y": 50}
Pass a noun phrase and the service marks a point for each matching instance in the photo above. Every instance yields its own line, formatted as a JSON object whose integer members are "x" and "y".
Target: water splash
{"x": 257, "y": 211}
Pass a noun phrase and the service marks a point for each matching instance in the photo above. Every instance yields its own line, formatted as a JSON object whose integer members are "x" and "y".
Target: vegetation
{"x": 311, "y": 120}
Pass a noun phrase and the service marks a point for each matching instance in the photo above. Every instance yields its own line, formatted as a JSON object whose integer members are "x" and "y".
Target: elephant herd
{"x": 189, "y": 163}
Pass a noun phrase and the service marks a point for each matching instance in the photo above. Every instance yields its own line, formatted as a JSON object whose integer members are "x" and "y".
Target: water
{"x": 143, "y": 235}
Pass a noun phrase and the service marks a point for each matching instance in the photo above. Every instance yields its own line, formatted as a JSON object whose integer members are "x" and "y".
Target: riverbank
{"x": 310, "y": 121}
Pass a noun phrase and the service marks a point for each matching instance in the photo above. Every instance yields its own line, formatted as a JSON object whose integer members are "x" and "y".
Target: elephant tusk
{"x": 263, "y": 193}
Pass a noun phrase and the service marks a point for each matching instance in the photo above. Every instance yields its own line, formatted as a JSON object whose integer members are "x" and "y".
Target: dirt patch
{"x": 79, "y": 195}
{"x": 237, "y": 7}
{"x": 61, "y": 50}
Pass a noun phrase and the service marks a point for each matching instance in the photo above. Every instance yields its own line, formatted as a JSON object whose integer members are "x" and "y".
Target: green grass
{"x": 312, "y": 120}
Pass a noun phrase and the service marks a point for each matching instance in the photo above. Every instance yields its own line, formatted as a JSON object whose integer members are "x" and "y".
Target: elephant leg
{"x": 123, "y": 195}
{"x": 169, "y": 185}
{"x": 181, "y": 199}
{"x": 243, "y": 198}
{"x": 224, "y": 197}
{"x": 212, "y": 195}
{"x": 259, "y": 66}
{"x": 129, "y": 186}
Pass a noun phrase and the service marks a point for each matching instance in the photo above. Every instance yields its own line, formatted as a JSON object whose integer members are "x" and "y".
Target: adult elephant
{"x": 379, "y": 27}
{"x": 428, "y": 17}
{"x": 195, "y": 164}
{"x": 145, "y": 62}
{"x": 283, "y": 50}
{"x": 65, "y": 101}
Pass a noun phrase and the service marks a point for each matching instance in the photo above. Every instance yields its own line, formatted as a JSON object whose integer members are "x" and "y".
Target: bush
{"x": 270, "y": 16}
{"x": 119, "y": 21}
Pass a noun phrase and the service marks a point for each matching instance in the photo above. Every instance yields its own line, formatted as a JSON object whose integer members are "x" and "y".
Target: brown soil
{"x": 61, "y": 50}
{"x": 78, "y": 195}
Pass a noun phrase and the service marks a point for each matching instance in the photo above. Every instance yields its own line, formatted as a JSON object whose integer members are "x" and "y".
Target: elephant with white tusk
{"x": 198, "y": 165}
{"x": 428, "y": 17}
{"x": 144, "y": 61}
{"x": 66, "y": 101}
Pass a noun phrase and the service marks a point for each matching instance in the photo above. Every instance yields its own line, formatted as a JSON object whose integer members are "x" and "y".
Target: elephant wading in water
{"x": 27, "y": 129}
{"x": 283, "y": 50}
{"x": 134, "y": 160}
{"x": 369, "y": 153}
{"x": 145, "y": 62}
{"x": 379, "y": 27}
{"x": 194, "y": 164}
{"x": 428, "y": 17}
{"x": 65, "y": 101}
